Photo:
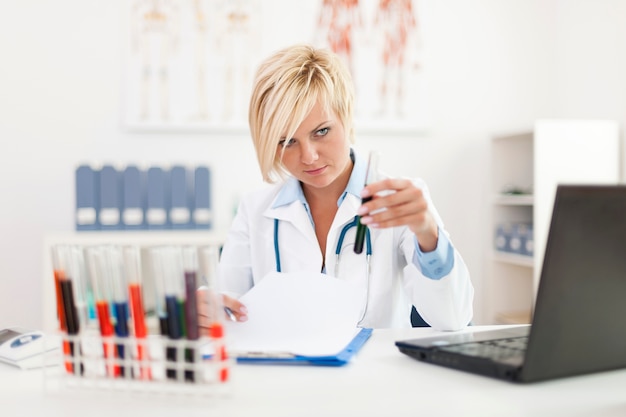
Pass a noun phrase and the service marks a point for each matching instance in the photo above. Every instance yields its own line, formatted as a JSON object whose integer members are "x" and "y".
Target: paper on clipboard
{"x": 302, "y": 313}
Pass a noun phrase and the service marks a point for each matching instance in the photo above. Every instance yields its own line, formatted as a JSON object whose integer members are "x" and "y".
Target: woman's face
{"x": 318, "y": 154}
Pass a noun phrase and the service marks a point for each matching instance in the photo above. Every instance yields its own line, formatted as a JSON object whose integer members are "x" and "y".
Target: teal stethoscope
{"x": 342, "y": 235}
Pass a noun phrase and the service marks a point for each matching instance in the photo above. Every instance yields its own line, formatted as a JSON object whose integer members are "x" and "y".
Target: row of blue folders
{"x": 132, "y": 198}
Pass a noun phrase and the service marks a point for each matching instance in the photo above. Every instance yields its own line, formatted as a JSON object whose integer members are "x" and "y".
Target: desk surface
{"x": 379, "y": 382}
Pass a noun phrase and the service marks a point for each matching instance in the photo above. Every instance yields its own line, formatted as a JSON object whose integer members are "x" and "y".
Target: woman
{"x": 300, "y": 120}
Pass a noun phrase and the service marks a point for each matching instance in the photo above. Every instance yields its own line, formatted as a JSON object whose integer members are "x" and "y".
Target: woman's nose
{"x": 309, "y": 153}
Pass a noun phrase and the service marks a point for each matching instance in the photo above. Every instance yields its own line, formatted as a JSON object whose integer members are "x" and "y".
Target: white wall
{"x": 494, "y": 66}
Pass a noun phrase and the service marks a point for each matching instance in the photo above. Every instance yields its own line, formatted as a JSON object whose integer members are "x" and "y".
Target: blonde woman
{"x": 300, "y": 119}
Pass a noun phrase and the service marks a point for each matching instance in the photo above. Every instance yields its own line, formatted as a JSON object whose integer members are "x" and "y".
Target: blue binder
{"x": 339, "y": 359}
{"x": 133, "y": 198}
{"x": 180, "y": 209}
{"x": 87, "y": 198}
{"x": 157, "y": 203}
{"x": 202, "y": 217}
{"x": 110, "y": 199}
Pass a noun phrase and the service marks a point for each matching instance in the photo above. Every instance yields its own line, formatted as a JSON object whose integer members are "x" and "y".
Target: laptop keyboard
{"x": 494, "y": 349}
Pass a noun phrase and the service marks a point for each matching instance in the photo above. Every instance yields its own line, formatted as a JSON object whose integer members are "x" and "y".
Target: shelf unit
{"x": 143, "y": 239}
{"x": 510, "y": 284}
{"x": 526, "y": 168}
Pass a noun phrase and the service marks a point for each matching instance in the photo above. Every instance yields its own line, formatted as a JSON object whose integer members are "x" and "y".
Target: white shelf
{"x": 513, "y": 259}
{"x": 514, "y": 200}
{"x": 139, "y": 237}
{"x": 554, "y": 152}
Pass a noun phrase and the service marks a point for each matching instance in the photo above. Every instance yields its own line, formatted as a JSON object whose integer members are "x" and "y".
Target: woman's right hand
{"x": 236, "y": 307}
{"x": 208, "y": 310}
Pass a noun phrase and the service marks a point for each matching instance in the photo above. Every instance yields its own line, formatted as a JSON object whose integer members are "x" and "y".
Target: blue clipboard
{"x": 339, "y": 359}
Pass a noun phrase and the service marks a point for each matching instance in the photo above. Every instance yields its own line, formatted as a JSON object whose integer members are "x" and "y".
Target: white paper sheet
{"x": 300, "y": 313}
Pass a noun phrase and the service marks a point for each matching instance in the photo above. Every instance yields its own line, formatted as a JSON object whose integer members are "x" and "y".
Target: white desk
{"x": 380, "y": 382}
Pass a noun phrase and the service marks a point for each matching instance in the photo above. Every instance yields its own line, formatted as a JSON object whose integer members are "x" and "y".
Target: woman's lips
{"x": 315, "y": 172}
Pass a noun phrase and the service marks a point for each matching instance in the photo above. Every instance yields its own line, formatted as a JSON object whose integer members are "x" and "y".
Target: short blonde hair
{"x": 286, "y": 87}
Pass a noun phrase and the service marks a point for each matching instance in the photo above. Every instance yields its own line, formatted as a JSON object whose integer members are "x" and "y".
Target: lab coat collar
{"x": 357, "y": 178}
{"x": 290, "y": 204}
{"x": 292, "y": 189}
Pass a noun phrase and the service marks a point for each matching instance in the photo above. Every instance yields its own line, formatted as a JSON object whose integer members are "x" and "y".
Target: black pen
{"x": 372, "y": 169}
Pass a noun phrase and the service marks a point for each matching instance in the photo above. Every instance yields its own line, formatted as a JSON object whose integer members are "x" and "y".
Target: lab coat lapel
{"x": 345, "y": 214}
{"x": 296, "y": 214}
{"x": 347, "y": 210}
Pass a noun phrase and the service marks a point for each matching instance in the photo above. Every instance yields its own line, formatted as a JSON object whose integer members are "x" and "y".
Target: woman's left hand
{"x": 398, "y": 202}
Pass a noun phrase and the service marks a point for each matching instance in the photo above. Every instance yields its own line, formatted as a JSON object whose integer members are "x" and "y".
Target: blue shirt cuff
{"x": 438, "y": 263}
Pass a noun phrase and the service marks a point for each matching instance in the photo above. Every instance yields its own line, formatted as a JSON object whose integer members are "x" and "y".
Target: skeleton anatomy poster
{"x": 189, "y": 64}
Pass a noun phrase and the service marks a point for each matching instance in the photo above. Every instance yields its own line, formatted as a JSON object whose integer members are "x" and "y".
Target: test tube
{"x": 119, "y": 297}
{"x": 157, "y": 256}
{"x": 370, "y": 176}
{"x": 211, "y": 309}
{"x": 174, "y": 304}
{"x": 132, "y": 272}
{"x": 190, "y": 264}
{"x": 82, "y": 286}
{"x": 65, "y": 268}
{"x": 100, "y": 283}
{"x": 174, "y": 293}
{"x": 59, "y": 254}
{"x": 158, "y": 262}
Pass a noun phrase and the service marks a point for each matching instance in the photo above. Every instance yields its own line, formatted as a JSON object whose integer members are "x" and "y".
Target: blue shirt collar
{"x": 292, "y": 190}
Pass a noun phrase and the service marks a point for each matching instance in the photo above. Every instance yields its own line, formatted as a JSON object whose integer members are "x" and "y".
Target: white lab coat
{"x": 395, "y": 283}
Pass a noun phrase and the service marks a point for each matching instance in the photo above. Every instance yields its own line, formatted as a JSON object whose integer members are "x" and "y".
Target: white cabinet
{"x": 143, "y": 239}
{"x": 525, "y": 170}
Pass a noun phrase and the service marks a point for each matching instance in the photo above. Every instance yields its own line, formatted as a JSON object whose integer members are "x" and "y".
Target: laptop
{"x": 579, "y": 322}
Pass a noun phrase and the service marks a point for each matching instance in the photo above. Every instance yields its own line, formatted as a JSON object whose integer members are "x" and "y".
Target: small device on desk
{"x": 23, "y": 348}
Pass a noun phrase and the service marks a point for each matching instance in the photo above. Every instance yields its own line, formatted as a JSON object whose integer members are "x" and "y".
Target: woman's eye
{"x": 285, "y": 143}
{"x": 323, "y": 131}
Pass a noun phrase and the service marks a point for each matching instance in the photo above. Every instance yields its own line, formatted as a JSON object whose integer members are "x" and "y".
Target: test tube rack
{"x": 155, "y": 364}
